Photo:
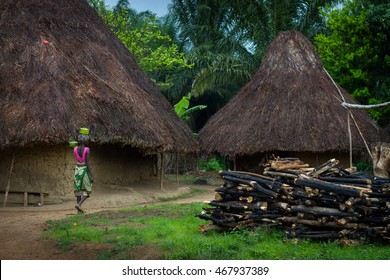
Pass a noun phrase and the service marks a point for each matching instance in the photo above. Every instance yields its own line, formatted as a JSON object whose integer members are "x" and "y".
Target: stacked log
{"x": 325, "y": 202}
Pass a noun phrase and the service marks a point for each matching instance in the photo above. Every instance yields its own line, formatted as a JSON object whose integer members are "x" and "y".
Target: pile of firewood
{"x": 325, "y": 202}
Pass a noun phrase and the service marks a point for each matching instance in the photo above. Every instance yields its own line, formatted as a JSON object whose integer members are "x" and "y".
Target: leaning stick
{"x": 9, "y": 180}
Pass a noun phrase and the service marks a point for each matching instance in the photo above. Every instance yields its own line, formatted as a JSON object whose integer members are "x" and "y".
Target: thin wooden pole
{"x": 9, "y": 179}
{"x": 177, "y": 169}
{"x": 162, "y": 172}
{"x": 347, "y": 106}
{"x": 350, "y": 140}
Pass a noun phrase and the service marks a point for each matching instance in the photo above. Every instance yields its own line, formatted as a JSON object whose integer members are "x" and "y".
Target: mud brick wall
{"x": 50, "y": 169}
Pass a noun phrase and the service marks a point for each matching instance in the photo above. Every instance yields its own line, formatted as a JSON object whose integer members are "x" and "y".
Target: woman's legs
{"x": 79, "y": 210}
{"x": 80, "y": 200}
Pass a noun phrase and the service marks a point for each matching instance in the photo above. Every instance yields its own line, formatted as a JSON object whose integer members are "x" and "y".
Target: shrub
{"x": 212, "y": 164}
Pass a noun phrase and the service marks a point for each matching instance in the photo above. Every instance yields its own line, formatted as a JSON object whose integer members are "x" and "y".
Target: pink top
{"x": 77, "y": 156}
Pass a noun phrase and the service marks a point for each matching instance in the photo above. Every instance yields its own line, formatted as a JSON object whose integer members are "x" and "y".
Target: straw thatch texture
{"x": 289, "y": 105}
{"x": 61, "y": 68}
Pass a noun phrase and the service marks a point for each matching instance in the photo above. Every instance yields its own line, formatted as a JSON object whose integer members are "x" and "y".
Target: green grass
{"x": 171, "y": 231}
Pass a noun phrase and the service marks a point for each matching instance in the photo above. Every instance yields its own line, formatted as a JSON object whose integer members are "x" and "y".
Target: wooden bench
{"x": 25, "y": 196}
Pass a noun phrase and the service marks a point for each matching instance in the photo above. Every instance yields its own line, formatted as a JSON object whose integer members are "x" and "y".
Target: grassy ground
{"x": 171, "y": 231}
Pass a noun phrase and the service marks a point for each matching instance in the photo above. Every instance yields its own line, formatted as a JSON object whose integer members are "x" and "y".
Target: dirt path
{"x": 21, "y": 227}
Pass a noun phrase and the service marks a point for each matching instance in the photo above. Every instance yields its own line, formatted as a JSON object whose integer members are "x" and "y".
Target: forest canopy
{"x": 212, "y": 48}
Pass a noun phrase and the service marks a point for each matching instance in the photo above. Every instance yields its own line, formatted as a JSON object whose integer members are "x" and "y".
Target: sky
{"x": 159, "y": 7}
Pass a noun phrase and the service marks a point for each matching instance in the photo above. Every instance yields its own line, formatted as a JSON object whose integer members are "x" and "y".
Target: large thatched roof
{"x": 290, "y": 104}
{"x": 61, "y": 68}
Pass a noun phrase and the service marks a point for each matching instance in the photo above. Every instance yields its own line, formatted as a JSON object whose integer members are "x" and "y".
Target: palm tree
{"x": 226, "y": 40}
{"x": 220, "y": 52}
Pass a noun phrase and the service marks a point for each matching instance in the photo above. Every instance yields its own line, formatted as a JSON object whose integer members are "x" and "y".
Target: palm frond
{"x": 223, "y": 71}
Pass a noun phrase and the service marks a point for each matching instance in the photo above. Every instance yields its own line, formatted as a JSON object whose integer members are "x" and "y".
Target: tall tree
{"x": 355, "y": 52}
{"x": 156, "y": 53}
{"x": 213, "y": 43}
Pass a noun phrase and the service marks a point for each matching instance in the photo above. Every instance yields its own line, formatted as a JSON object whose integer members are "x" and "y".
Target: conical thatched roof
{"x": 61, "y": 68}
{"x": 290, "y": 104}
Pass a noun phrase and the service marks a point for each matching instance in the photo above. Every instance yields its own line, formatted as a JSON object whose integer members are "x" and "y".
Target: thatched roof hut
{"x": 61, "y": 68}
{"x": 290, "y": 105}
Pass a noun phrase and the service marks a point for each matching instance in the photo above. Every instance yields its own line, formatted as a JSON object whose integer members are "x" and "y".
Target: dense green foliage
{"x": 212, "y": 164}
{"x": 355, "y": 51}
{"x": 211, "y": 48}
{"x": 141, "y": 33}
{"x": 172, "y": 232}
{"x": 226, "y": 40}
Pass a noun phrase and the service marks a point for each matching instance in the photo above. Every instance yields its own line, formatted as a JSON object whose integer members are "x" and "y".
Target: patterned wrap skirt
{"x": 81, "y": 181}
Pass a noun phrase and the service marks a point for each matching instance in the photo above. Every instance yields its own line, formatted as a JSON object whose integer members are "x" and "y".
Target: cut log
{"x": 285, "y": 164}
{"x": 236, "y": 193}
{"x": 281, "y": 206}
{"x": 237, "y": 205}
{"x": 270, "y": 179}
{"x": 262, "y": 189}
{"x": 309, "y": 202}
{"x": 317, "y": 184}
{"x": 248, "y": 199}
{"x": 281, "y": 174}
{"x": 319, "y": 224}
{"x": 342, "y": 180}
{"x": 324, "y": 167}
{"x": 227, "y": 222}
{"x": 320, "y": 211}
{"x": 261, "y": 180}
{"x": 352, "y": 201}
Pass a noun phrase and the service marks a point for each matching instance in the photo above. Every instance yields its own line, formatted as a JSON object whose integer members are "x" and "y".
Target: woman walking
{"x": 83, "y": 179}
